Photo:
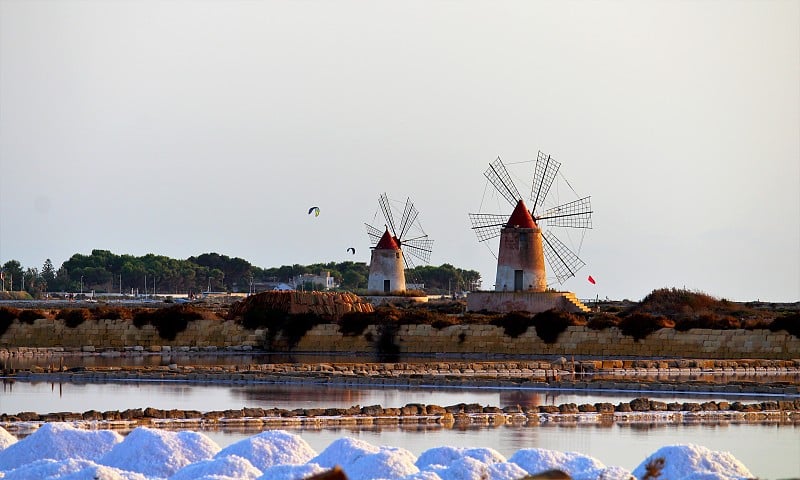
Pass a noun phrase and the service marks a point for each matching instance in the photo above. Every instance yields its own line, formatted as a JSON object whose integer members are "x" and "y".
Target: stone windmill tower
{"x": 525, "y": 247}
{"x": 388, "y": 260}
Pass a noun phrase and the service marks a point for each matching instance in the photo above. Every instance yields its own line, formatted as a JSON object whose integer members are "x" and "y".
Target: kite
{"x": 353, "y": 249}
{"x": 591, "y": 280}
{"x": 315, "y": 210}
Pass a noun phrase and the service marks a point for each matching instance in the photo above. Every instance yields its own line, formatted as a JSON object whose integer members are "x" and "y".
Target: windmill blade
{"x": 543, "y": 176}
{"x": 420, "y": 248}
{"x": 487, "y": 225}
{"x": 374, "y": 234}
{"x": 576, "y": 214}
{"x": 498, "y": 175}
{"x": 409, "y": 217}
{"x": 408, "y": 262}
{"x": 563, "y": 261}
{"x": 387, "y": 213}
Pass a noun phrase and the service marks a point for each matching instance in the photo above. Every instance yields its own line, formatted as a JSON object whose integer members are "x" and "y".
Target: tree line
{"x": 105, "y": 272}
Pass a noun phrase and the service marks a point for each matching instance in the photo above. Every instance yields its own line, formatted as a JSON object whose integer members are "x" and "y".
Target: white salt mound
{"x": 343, "y": 451}
{"x": 159, "y": 453}
{"x": 389, "y": 462}
{"x": 6, "y": 438}
{"x": 468, "y": 468}
{"x": 537, "y": 460}
{"x": 58, "y": 441}
{"x": 270, "y": 448}
{"x": 232, "y": 466}
{"x": 692, "y": 462}
{"x": 291, "y": 472}
{"x": 47, "y": 468}
{"x": 447, "y": 455}
{"x": 97, "y": 472}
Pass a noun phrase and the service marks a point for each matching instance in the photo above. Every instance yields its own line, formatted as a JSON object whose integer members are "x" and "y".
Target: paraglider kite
{"x": 315, "y": 210}
{"x": 351, "y": 249}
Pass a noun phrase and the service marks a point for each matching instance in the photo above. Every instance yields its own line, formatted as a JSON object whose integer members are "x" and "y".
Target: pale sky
{"x": 180, "y": 128}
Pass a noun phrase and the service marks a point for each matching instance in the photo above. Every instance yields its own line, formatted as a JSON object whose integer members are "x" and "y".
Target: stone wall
{"x": 460, "y": 339}
{"x": 102, "y": 334}
{"x": 479, "y": 339}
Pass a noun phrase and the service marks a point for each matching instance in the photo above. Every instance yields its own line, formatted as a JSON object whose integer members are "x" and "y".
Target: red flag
{"x": 591, "y": 280}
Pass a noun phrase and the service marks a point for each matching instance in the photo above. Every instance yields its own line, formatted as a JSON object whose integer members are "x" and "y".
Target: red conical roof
{"x": 521, "y": 217}
{"x": 387, "y": 242}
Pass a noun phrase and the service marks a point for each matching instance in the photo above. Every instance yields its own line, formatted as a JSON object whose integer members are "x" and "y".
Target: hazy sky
{"x": 179, "y": 128}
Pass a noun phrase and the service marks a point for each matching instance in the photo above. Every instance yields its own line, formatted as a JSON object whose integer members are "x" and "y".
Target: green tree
{"x": 12, "y": 275}
{"x": 48, "y": 272}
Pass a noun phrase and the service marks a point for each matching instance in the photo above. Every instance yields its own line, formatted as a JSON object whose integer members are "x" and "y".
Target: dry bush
{"x": 640, "y": 325}
{"x": 111, "y": 313}
{"x": 73, "y": 317}
{"x": 354, "y": 323}
{"x": 708, "y": 320}
{"x": 601, "y": 321}
{"x": 30, "y": 316}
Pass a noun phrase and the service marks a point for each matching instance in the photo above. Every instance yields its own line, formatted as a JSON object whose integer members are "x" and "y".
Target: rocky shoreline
{"x": 638, "y": 411}
{"x": 778, "y": 378}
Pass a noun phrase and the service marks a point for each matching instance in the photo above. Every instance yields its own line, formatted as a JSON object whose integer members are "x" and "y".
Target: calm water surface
{"x": 768, "y": 450}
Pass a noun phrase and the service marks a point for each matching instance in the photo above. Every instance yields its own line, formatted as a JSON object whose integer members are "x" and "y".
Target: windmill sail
{"x": 563, "y": 261}
{"x": 498, "y": 175}
{"x": 576, "y": 214}
{"x": 543, "y": 176}
{"x": 487, "y": 225}
{"x": 409, "y": 217}
{"x": 383, "y": 200}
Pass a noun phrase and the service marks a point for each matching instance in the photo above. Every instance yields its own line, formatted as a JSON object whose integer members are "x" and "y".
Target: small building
{"x": 386, "y": 266}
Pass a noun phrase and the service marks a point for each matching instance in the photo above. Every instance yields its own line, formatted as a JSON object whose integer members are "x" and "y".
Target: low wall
{"x": 578, "y": 340}
{"x": 422, "y": 339}
{"x": 102, "y": 334}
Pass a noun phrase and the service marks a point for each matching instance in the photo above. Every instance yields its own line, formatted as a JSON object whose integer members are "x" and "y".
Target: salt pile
{"x": 64, "y": 452}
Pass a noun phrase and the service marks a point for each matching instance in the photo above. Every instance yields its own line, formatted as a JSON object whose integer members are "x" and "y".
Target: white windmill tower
{"x": 394, "y": 246}
{"x": 524, "y": 246}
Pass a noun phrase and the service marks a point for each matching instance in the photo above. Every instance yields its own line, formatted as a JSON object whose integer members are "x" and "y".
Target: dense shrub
{"x": 514, "y": 323}
{"x": 30, "y": 316}
{"x": 601, "y": 321}
{"x": 169, "y": 322}
{"x": 789, "y": 322}
{"x": 386, "y": 346}
{"x": 551, "y": 323}
{"x": 9, "y": 314}
{"x": 73, "y": 317}
{"x": 353, "y": 324}
{"x": 7, "y": 317}
{"x": 640, "y": 325}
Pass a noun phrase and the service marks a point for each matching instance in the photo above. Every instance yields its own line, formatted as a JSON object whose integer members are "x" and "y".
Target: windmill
{"x": 523, "y": 245}
{"x": 394, "y": 247}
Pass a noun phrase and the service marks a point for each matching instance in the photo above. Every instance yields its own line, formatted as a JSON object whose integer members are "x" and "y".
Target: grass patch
{"x": 551, "y": 323}
{"x": 713, "y": 321}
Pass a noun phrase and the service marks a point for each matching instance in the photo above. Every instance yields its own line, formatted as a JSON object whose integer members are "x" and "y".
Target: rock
{"x": 640, "y": 404}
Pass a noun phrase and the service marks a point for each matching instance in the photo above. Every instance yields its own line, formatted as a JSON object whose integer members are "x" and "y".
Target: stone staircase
{"x": 572, "y": 299}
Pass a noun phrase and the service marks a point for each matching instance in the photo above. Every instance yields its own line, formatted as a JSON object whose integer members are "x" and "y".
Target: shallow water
{"x": 46, "y": 397}
{"x": 768, "y": 450}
